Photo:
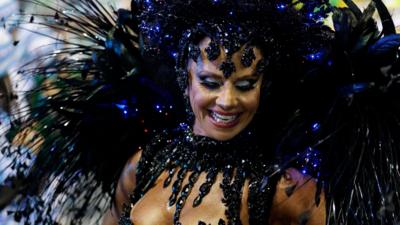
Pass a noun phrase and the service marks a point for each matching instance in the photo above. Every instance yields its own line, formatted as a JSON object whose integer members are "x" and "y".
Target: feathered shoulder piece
{"x": 94, "y": 105}
{"x": 357, "y": 111}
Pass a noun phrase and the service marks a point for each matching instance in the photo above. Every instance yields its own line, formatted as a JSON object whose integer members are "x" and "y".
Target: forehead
{"x": 205, "y": 65}
{"x": 205, "y": 42}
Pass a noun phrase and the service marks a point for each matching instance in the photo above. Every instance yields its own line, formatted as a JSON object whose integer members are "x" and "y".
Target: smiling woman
{"x": 223, "y": 112}
{"x": 223, "y": 105}
{"x": 215, "y": 168}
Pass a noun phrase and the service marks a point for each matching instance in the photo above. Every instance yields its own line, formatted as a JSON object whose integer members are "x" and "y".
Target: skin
{"x": 211, "y": 93}
{"x": 153, "y": 207}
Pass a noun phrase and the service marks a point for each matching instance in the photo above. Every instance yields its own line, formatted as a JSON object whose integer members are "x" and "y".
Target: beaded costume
{"x": 329, "y": 108}
{"x": 196, "y": 154}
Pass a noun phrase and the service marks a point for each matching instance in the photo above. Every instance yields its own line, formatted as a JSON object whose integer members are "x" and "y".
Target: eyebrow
{"x": 208, "y": 73}
{"x": 213, "y": 75}
{"x": 205, "y": 72}
{"x": 244, "y": 77}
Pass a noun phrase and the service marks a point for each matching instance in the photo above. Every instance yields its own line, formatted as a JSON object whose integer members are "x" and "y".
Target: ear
{"x": 190, "y": 67}
{"x": 186, "y": 93}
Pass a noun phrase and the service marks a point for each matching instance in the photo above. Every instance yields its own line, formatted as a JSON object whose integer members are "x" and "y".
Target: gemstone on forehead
{"x": 227, "y": 67}
{"x": 248, "y": 56}
{"x": 213, "y": 51}
{"x": 231, "y": 45}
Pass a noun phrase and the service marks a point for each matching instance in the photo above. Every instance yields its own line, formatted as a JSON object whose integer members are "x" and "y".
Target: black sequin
{"x": 184, "y": 194}
{"x": 206, "y": 186}
{"x": 176, "y": 187}
{"x": 171, "y": 174}
{"x": 190, "y": 154}
{"x": 233, "y": 194}
{"x": 213, "y": 51}
{"x": 227, "y": 67}
{"x": 248, "y": 56}
{"x": 125, "y": 217}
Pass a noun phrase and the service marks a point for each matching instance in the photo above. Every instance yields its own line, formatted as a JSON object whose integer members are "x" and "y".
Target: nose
{"x": 227, "y": 98}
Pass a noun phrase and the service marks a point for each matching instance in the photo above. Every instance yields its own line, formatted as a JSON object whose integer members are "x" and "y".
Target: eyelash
{"x": 213, "y": 85}
{"x": 250, "y": 85}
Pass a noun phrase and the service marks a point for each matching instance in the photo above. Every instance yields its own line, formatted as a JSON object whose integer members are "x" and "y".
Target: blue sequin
{"x": 281, "y": 6}
{"x": 315, "y": 127}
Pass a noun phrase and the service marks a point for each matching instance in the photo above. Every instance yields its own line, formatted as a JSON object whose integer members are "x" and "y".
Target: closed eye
{"x": 210, "y": 82}
{"x": 245, "y": 85}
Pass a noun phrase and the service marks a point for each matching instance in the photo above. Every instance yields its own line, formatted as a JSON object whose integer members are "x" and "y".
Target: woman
{"x": 223, "y": 107}
{"x": 222, "y": 76}
{"x": 237, "y": 155}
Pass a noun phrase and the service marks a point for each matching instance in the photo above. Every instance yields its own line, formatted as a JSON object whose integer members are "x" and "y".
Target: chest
{"x": 293, "y": 202}
{"x": 155, "y": 208}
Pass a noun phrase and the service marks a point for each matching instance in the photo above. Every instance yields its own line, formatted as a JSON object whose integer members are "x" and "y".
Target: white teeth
{"x": 223, "y": 118}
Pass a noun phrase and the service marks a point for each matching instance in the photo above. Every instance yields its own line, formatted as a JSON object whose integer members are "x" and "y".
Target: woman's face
{"x": 223, "y": 107}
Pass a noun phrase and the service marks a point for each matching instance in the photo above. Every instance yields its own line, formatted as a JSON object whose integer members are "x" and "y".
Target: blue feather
{"x": 385, "y": 45}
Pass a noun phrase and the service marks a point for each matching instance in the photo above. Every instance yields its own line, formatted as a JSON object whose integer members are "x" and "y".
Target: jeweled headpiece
{"x": 280, "y": 29}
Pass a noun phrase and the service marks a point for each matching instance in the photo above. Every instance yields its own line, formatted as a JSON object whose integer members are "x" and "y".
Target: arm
{"x": 294, "y": 201}
{"x": 125, "y": 186}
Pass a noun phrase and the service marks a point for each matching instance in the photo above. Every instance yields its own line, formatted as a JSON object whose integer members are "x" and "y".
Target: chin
{"x": 223, "y": 136}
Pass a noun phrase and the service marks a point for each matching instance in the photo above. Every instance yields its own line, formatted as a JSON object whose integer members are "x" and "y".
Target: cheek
{"x": 200, "y": 99}
{"x": 251, "y": 101}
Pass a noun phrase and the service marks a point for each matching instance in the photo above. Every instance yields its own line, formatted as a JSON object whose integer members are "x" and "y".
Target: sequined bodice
{"x": 179, "y": 174}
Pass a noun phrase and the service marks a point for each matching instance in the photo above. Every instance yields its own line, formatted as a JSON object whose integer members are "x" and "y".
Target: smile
{"x": 224, "y": 120}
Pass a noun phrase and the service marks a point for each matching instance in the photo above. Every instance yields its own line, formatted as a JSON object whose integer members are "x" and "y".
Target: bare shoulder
{"x": 127, "y": 182}
{"x": 125, "y": 186}
{"x": 297, "y": 201}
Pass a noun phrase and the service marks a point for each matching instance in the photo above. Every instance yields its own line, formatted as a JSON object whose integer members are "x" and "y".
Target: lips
{"x": 224, "y": 120}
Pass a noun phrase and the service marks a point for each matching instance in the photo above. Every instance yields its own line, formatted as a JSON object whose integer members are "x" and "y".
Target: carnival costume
{"x": 328, "y": 108}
